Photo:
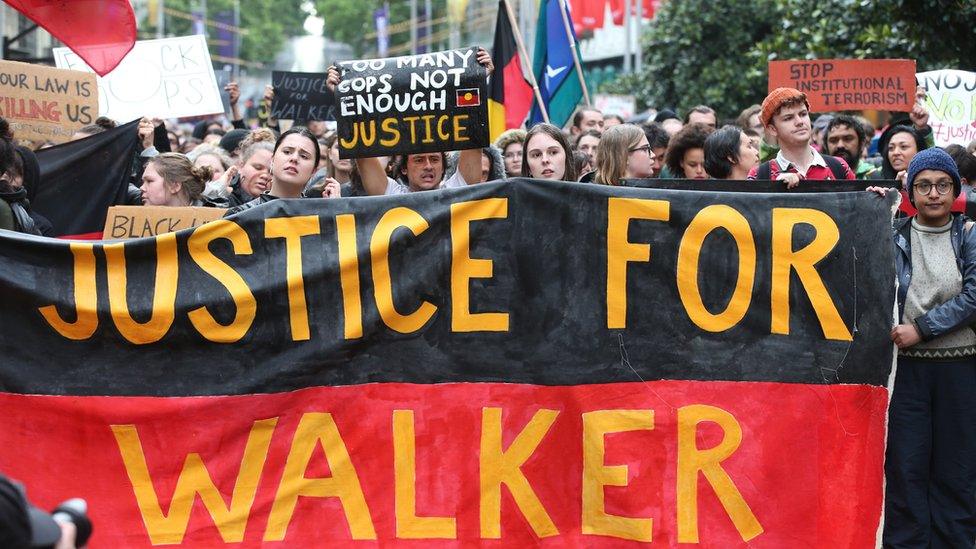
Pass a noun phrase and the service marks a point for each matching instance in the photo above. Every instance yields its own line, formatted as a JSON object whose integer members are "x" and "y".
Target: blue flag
{"x": 553, "y": 65}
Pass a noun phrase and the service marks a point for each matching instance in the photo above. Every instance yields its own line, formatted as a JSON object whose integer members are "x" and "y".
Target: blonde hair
{"x": 176, "y": 168}
{"x": 613, "y": 151}
{"x": 259, "y": 139}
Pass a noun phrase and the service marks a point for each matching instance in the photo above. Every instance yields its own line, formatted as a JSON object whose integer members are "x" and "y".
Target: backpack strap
{"x": 763, "y": 173}
{"x": 836, "y": 167}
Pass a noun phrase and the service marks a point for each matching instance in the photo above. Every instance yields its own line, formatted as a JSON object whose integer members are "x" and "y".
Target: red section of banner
{"x": 807, "y": 472}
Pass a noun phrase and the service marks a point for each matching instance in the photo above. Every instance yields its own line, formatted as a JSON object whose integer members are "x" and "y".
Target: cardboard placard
{"x": 849, "y": 84}
{"x": 951, "y": 101}
{"x": 125, "y": 222}
{"x": 301, "y": 96}
{"x": 166, "y": 78}
{"x": 623, "y": 106}
{"x": 46, "y": 104}
{"x": 420, "y": 103}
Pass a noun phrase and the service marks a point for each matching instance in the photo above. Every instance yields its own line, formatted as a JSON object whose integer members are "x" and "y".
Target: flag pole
{"x": 524, "y": 56}
{"x": 572, "y": 47}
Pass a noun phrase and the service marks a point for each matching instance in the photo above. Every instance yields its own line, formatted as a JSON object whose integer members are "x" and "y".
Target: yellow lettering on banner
{"x": 86, "y": 297}
{"x": 319, "y": 429}
{"x": 689, "y": 252}
{"x": 441, "y": 132}
{"x": 500, "y": 466}
{"x": 379, "y": 250}
{"x": 620, "y": 251}
{"x": 464, "y": 267}
{"x": 166, "y": 529}
{"x": 596, "y": 474}
{"x": 352, "y": 303}
{"x": 804, "y": 261}
{"x": 389, "y": 126}
{"x": 164, "y": 292}
{"x": 459, "y": 128}
{"x": 692, "y": 460}
{"x": 408, "y": 524}
{"x": 292, "y": 229}
{"x": 246, "y": 306}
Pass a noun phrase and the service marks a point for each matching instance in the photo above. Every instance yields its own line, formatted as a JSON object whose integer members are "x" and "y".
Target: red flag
{"x": 509, "y": 95}
{"x": 100, "y": 31}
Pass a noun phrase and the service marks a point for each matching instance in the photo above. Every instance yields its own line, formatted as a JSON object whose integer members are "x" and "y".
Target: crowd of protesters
{"x": 931, "y": 462}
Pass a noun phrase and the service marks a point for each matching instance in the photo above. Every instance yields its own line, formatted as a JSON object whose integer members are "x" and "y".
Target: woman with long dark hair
{"x": 294, "y": 159}
{"x": 546, "y": 154}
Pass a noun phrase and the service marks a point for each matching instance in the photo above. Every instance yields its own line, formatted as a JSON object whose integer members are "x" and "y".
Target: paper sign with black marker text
{"x": 420, "y": 103}
{"x": 168, "y": 78}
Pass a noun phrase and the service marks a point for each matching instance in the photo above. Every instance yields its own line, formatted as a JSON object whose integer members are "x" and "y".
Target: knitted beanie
{"x": 934, "y": 159}
{"x": 775, "y": 100}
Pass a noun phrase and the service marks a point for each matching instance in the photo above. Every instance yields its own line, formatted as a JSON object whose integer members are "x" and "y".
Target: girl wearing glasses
{"x": 623, "y": 153}
{"x": 930, "y": 466}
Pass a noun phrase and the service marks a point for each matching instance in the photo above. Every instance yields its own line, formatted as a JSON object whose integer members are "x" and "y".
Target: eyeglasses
{"x": 942, "y": 187}
{"x": 645, "y": 148}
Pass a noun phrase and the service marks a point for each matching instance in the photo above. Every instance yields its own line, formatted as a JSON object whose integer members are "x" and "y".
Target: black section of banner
{"x": 811, "y": 186}
{"x": 81, "y": 179}
{"x": 549, "y": 273}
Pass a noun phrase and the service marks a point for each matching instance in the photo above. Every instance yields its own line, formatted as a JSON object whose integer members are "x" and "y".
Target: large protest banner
{"x": 46, "y": 104}
{"x": 301, "y": 96}
{"x": 420, "y": 103}
{"x": 848, "y": 84}
{"x": 951, "y": 101}
{"x": 166, "y": 78}
{"x": 514, "y": 364}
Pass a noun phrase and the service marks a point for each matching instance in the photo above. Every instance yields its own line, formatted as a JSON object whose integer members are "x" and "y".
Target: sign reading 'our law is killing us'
{"x": 46, "y": 104}
{"x": 420, "y": 103}
{"x": 951, "y": 100}
{"x": 849, "y": 84}
{"x": 625, "y": 364}
{"x": 168, "y": 78}
{"x": 301, "y": 96}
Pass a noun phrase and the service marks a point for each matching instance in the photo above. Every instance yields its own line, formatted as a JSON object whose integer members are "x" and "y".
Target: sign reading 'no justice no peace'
{"x": 420, "y": 103}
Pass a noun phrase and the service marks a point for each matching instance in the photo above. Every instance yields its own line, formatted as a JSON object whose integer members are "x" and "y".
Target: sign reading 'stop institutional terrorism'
{"x": 849, "y": 84}
{"x": 420, "y": 103}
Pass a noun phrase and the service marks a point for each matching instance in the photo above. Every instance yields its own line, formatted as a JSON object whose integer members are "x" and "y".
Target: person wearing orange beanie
{"x": 786, "y": 116}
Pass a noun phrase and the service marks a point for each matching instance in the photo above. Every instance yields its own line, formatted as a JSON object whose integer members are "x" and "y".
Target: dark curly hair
{"x": 692, "y": 136}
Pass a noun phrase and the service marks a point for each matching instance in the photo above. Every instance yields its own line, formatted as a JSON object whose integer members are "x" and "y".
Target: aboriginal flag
{"x": 513, "y": 364}
{"x": 100, "y": 31}
{"x": 510, "y": 94}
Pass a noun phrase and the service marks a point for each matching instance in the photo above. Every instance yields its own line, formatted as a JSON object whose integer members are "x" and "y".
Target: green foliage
{"x": 269, "y": 24}
{"x": 351, "y": 21}
{"x": 717, "y": 52}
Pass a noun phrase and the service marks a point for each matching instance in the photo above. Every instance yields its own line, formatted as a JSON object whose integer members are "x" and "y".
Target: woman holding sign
{"x": 419, "y": 171}
{"x": 295, "y": 158}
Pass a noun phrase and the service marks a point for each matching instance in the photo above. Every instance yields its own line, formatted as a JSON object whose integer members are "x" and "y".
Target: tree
{"x": 701, "y": 52}
{"x": 268, "y": 25}
{"x": 717, "y": 52}
{"x": 352, "y": 22}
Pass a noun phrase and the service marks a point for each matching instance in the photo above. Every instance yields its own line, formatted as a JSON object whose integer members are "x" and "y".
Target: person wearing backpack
{"x": 786, "y": 116}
